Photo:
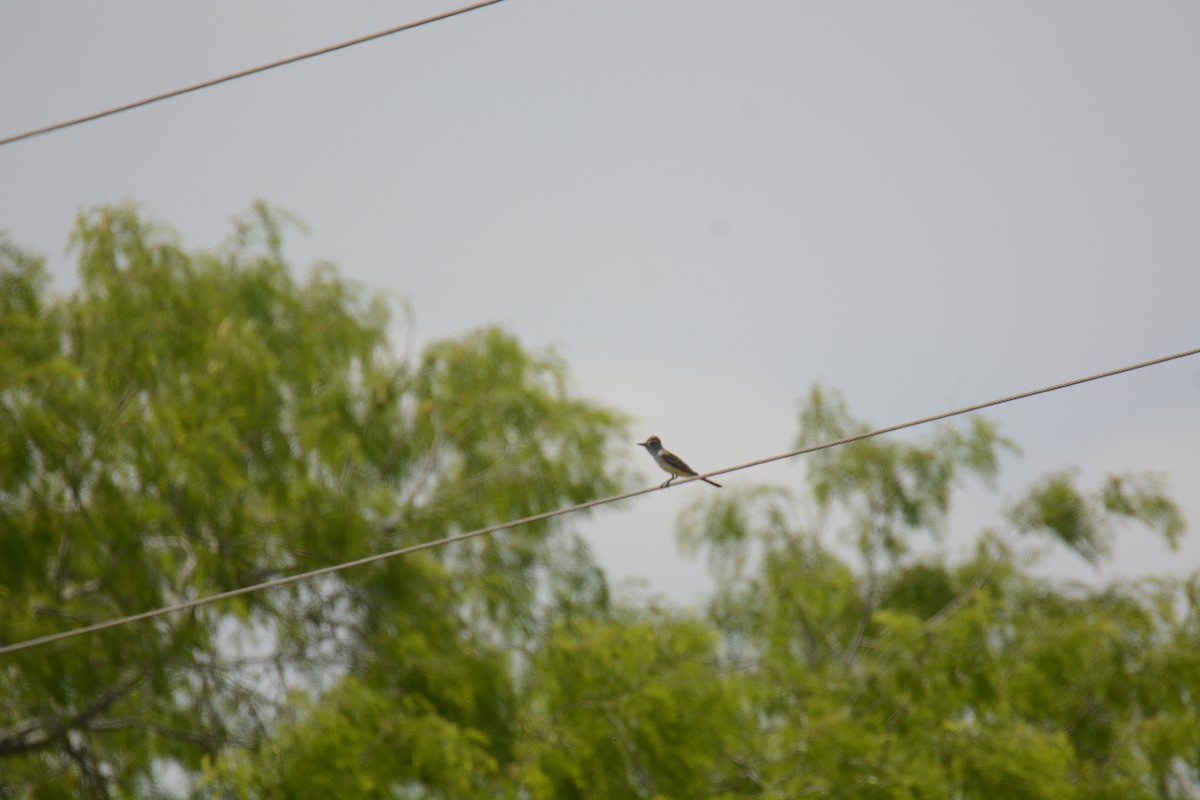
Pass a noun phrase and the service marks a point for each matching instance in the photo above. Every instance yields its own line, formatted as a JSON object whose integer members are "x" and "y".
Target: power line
{"x": 244, "y": 73}
{"x": 202, "y": 601}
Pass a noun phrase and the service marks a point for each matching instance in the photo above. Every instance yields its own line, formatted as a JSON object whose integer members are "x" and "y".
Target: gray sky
{"x": 705, "y": 207}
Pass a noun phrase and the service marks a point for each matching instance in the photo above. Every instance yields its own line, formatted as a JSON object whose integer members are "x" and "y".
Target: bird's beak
{"x": 642, "y": 444}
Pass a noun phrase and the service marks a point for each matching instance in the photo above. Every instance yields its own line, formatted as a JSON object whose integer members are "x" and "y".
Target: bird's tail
{"x": 714, "y": 483}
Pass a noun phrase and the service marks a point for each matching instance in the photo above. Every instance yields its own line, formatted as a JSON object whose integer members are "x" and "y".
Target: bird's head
{"x": 652, "y": 442}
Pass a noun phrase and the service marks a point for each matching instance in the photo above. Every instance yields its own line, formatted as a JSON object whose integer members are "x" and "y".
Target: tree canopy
{"x": 188, "y": 422}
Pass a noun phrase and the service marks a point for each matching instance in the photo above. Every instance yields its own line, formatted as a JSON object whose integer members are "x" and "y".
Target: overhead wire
{"x": 243, "y": 73}
{"x": 196, "y": 602}
{"x": 358, "y": 562}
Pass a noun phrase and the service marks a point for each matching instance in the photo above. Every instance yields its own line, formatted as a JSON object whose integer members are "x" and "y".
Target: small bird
{"x": 670, "y": 462}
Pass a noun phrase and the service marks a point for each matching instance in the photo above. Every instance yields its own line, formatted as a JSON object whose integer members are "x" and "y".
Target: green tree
{"x": 190, "y": 422}
{"x": 877, "y": 673}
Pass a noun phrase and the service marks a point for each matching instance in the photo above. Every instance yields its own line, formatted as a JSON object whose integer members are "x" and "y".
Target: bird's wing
{"x": 677, "y": 462}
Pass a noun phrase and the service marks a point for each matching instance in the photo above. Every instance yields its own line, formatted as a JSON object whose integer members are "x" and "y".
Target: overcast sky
{"x": 704, "y": 207}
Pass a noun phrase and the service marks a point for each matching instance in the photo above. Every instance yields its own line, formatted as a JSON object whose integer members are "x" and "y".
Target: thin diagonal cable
{"x": 244, "y": 73}
{"x": 948, "y": 414}
{"x": 201, "y": 601}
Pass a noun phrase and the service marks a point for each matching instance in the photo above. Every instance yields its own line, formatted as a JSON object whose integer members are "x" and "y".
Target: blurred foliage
{"x": 186, "y": 423}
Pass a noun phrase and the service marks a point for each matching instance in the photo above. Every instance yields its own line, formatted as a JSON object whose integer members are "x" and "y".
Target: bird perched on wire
{"x": 670, "y": 462}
